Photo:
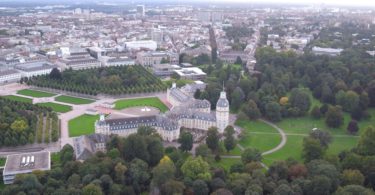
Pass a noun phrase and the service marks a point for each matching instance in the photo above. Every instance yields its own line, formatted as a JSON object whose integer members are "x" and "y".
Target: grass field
{"x": 2, "y": 161}
{"x": 35, "y": 93}
{"x": 257, "y": 135}
{"x": 296, "y": 129}
{"x": 57, "y": 107}
{"x": 73, "y": 100}
{"x": 152, "y": 101}
{"x": 18, "y": 98}
{"x": 82, "y": 125}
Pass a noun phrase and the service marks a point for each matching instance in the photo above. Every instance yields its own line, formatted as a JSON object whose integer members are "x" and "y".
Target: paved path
{"x": 283, "y": 138}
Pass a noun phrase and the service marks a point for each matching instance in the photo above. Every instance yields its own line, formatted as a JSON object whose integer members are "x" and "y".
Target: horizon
{"x": 358, "y": 3}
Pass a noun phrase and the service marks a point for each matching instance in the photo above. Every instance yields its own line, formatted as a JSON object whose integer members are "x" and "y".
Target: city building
{"x": 186, "y": 112}
{"x": 137, "y": 45}
{"x": 86, "y": 146}
{"x": 141, "y": 10}
{"x": 35, "y": 68}
{"x": 191, "y": 73}
{"x": 9, "y": 76}
{"x": 25, "y": 163}
{"x": 156, "y": 57}
{"x": 326, "y": 51}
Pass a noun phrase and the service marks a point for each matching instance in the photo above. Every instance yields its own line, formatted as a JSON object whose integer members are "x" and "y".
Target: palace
{"x": 186, "y": 112}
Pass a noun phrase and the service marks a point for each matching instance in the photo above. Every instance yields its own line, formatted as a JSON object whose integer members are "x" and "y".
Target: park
{"x": 255, "y": 133}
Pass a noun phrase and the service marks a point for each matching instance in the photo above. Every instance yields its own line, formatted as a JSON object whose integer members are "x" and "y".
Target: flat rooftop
{"x": 27, "y": 162}
{"x": 190, "y": 71}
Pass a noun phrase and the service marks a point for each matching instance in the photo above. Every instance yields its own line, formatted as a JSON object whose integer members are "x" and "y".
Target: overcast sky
{"x": 336, "y": 2}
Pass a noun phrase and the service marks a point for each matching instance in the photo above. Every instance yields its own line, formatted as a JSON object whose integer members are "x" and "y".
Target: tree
{"x": 202, "y": 150}
{"x": 312, "y": 149}
{"x": 92, "y": 189}
{"x": 19, "y": 126}
{"x": 120, "y": 171}
{"x": 273, "y": 111}
{"x": 284, "y": 189}
{"x": 66, "y": 154}
{"x": 155, "y": 150}
{"x": 135, "y": 146}
{"x": 238, "y": 60}
{"x": 300, "y": 99}
{"x": 186, "y": 141}
{"x": 138, "y": 171}
{"x": 237, "y": 98}
{"x": 352, "y": 177}
{"x": 212, "y": 139}
{"x": 146, "y": 130}
{"x": 229, "y": 141}
{"x": 200, "y": 187}
{"x": 197, "y": 94}
{"x": 55, "y": 74}
{"x": 196, "y": 168}
{"x": 354, "y": 190}
{"x": 172, "y": 187}
{"x": 164, "y": 61}
{"x": 251, "y": 110}
{"x": 324, "y": 137}
{"x": 315, "y": 112}
{"x": 348, "y": 100}
{"x": 250, "y": 155}
{"x": 334, "y": 117}
{"x": 163, "y": 172}
{"x": 353, "y": 127}
{"x": 366, "y": 143}
{"x": 371, "y": 93}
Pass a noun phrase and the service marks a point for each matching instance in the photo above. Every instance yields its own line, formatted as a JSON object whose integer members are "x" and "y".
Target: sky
{"x": 329, "y": 2}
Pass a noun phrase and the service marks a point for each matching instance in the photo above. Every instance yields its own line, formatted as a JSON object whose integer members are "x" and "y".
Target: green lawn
{"x": 253, "y": 136}
{"x": 292, "y": 148}
{"x": 82, "y": 125}
{"x": 2, "y": 161}
{"x": 73, "y": 100}
{"x": 235, "y": 152}
{"x": 19, "y": 98}
{"x": 35, "y": 93}
{"x": 152, "y": 101}
{"x": 57, "y": 107}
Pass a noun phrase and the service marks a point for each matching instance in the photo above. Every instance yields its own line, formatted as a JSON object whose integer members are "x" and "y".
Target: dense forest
{"x": 139, "y": 164}
{"x": 21, "y": 122}
{"x": 109, "y": 80}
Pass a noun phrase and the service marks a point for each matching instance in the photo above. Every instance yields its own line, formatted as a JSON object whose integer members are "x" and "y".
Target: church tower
{"x": 222, "y": 112}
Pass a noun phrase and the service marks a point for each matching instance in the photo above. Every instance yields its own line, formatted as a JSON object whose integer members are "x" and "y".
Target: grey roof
{"x": 36, "y": 161}
{"x": 135, "y": 122}
{"x": 222, "y": 102}
{"x": 179, "y": 95}
{"x": 8, "y": 72}
{"x": 84, "y": 146}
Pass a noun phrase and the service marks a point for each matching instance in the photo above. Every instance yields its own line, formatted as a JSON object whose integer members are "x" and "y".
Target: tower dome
{"x": 222, "y": 102}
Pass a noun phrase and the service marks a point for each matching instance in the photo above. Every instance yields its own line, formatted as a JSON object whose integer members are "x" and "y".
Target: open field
{"x": 19, "y": 98}
{"x": 253, "y": 137}
{"x": 73, "y": 100}
{"x": 57, "y": 107}
{"x": 35, "y": 93}
{"x": 151, "y": 101}
{"x": 82, "y": 125}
